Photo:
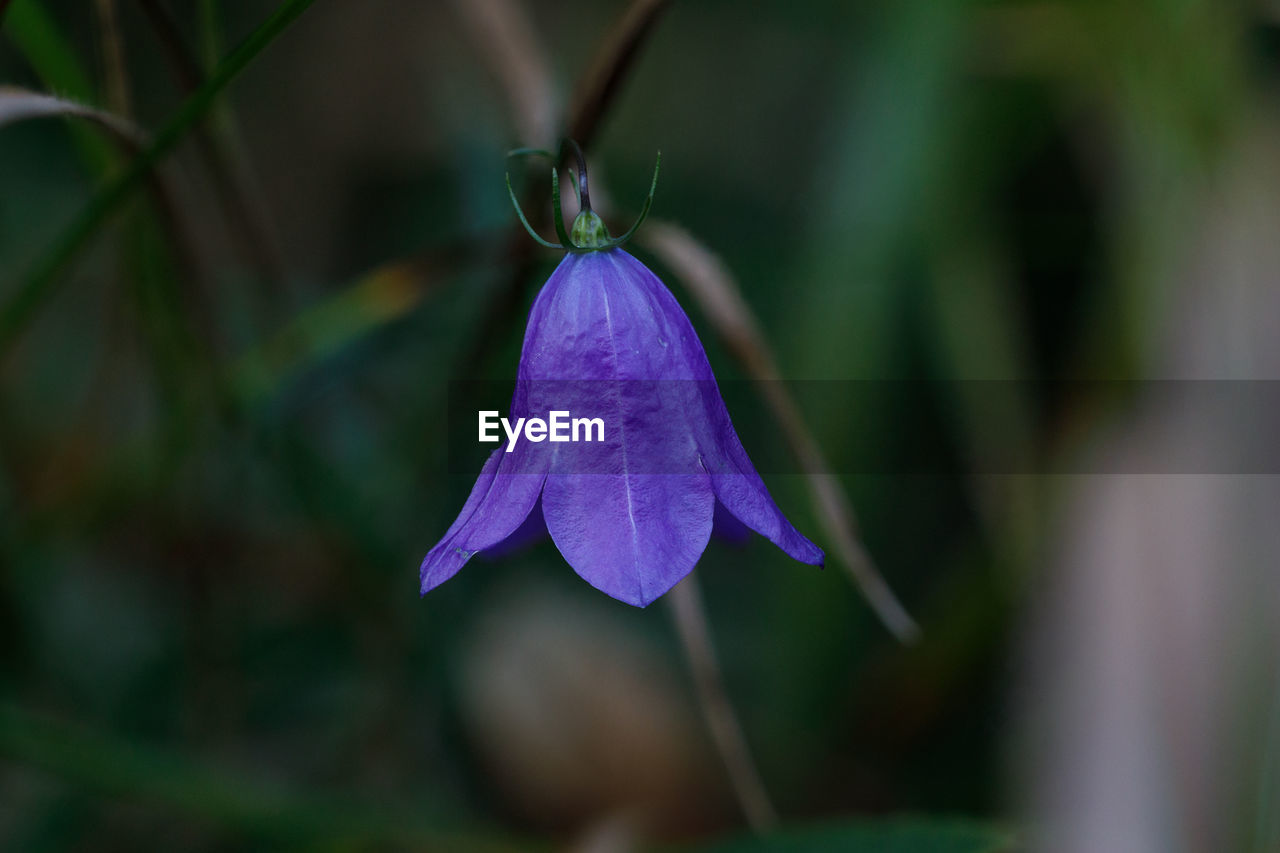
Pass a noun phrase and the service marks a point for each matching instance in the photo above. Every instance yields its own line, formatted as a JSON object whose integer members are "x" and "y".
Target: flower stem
{"x": 685, "y": 601}
{"x": 584, "y": 195}
{"x": 597, "y": 89}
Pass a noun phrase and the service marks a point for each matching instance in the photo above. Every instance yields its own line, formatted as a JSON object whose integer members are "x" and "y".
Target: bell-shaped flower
{"x": 633, "y": 512}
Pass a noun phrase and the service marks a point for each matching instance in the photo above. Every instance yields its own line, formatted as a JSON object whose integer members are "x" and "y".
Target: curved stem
{"x": 685, "y": 601}
{"x": 584, "y": 196}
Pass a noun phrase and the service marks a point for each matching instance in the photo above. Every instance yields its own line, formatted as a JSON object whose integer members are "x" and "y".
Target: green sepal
{"x": 556, "y": 213}
{"x": 644, "y": 211}
{"x": 525, "y": 222}
{"x": 531, "y": 152}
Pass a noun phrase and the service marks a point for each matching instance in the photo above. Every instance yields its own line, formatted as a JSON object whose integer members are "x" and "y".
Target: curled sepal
{"x": 589, "y": 233}
{"x": 644, "y": 211}
{"x": 558, "y": 216}
{"x": 525, "y": 222}
{"x": 556, "y": 213}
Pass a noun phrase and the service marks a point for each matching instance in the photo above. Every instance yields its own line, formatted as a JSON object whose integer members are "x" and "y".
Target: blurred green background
{"x": 221, "y": 421}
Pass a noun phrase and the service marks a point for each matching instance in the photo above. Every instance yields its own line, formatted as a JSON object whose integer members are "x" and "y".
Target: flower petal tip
{"x": 441, "y": 563}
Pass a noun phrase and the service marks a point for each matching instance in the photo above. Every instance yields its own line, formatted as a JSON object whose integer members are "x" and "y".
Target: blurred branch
{"x": 17, "y": 104}
{"x": 721, "y": 300}
{"x": 238, "y": 195}
{"x": 685, "y": 600}
{"x": 116, "y": 767}
{"x": 40, "y": 285}
{"x": 503, "y": 32}
{"x": 597, "y": 88}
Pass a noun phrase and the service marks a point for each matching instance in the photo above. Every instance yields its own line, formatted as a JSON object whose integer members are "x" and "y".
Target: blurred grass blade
{"x": 41, "y": 43}
{"x": 237, "y": 187}
{"x": 616, "y": 56}
{"x": 114, "y": 766}
{"x": 39, "y": 287}
{"x": 111, "y": 45}
{"x": 504, "y": 33}
{"x": 17, "y": 104}
{"x": 721, "y": 300}
{"x": 690, "y": 617}
{"x": 36, "y": 35}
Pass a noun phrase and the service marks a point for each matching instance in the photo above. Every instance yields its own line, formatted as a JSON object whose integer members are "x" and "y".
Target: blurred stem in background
{"x": 238, "y": 193}
{"x": 690, "y": 616}
{"x": 44, "y": 279}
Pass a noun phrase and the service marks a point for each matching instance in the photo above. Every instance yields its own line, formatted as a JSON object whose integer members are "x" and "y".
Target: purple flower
{"x": 632, "y": 513}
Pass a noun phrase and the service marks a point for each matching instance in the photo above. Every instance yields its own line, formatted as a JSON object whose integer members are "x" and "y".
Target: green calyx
{"x": 588, "y": 233}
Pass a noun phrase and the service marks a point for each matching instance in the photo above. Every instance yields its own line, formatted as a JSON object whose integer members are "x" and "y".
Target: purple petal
{"x": 746, "y": 497}
{"x": 500, "y": 501}
{"x": 633, "y": 536}
{"x": 530, "y": 530}
{"x": 632, "y": 514}
{"x": 737, "y": 484}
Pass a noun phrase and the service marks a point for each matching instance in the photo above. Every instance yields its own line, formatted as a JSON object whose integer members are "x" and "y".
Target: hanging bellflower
{"x": 633, "y": 511}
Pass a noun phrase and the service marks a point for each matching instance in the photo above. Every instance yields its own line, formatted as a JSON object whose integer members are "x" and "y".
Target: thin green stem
{"x": 584, "y": 190}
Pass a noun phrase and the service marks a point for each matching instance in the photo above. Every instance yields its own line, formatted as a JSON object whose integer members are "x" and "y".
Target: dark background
{"x": 220, "y": 465}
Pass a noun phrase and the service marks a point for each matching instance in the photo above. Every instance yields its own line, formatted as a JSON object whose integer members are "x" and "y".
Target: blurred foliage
{"x": 216, "y": 483}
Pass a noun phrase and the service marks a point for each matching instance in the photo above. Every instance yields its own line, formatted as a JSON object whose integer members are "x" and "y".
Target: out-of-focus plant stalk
{"x": 19, "y": 104}
{"x": 114, "y": 71}
{"x": 721, "y": 300}
{"x": 685, "y": 600}
{"x": 505, "y": 35}
{"x": 238, "y": 193}
{"x": 40, "y": 285}
{"x": 617, "y": 54}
